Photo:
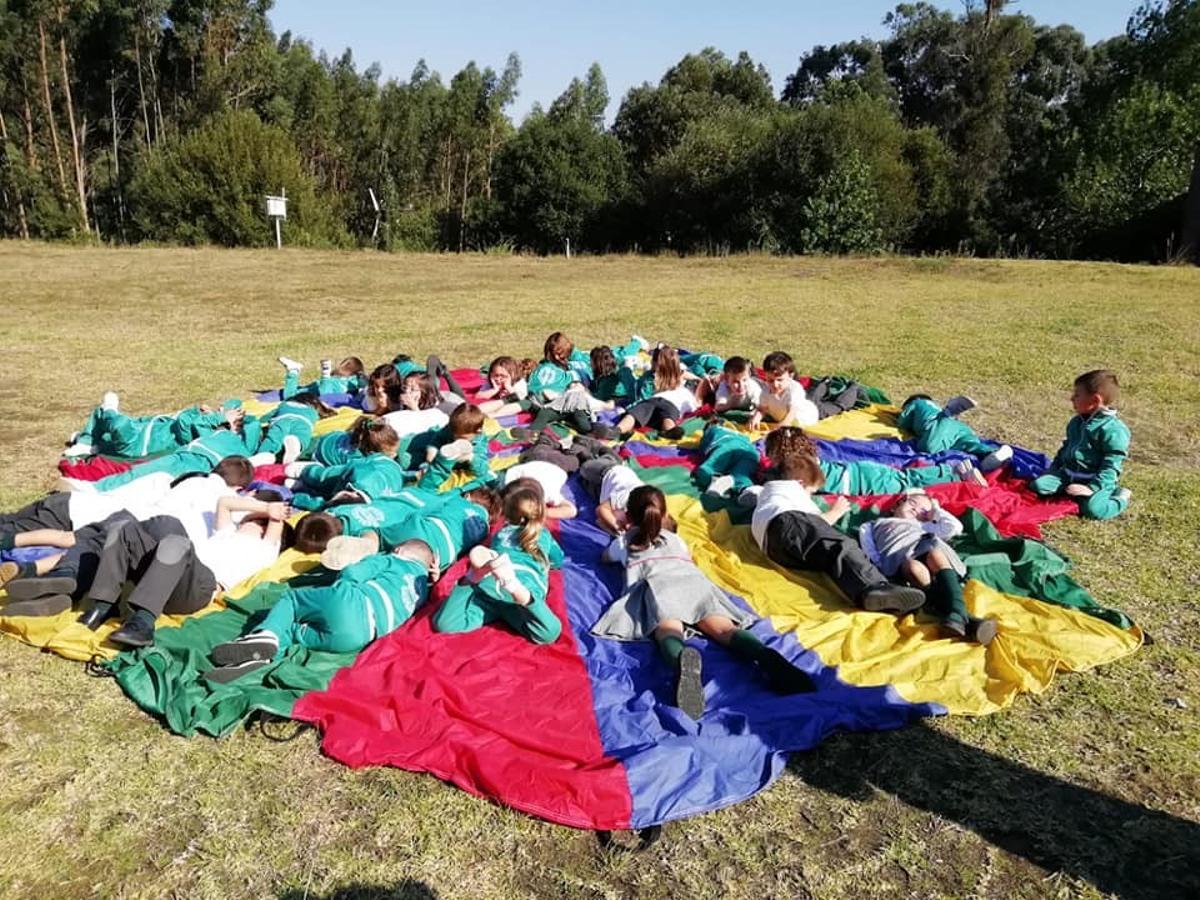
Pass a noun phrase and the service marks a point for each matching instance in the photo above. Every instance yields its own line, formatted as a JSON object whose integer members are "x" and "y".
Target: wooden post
{"x": 1191, "y": 214}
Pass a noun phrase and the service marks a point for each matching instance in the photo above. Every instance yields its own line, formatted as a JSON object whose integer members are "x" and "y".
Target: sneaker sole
{"x": 237, "y": 653}
{"x": 689, "y": 691}
{"x": 50, "y": 605}
{"x": 226, "y": 674}
{"x": 344, "y": 551}
{"x": 898, "y": 600}
{"x": 32, "y": 588}
{"x": 985, "y": 633}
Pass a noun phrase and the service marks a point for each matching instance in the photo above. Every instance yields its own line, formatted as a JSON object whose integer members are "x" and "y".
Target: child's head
{"x": 236, "y": 471}
{"x": 604, "y": 361}
{"x": 778, "y": 371}
{"x": 383, "y": 378}
{"x": 466, "y": 421}
{"x": 351, "y": 365}
{"x": 1094, "y": 390}
{"x": 308, "y": 398}
{"x": 794, "y": 454}
{"x": 369, "y": 435}
{"x": 668, "y": 370}
{"x": 557, "y": 349}
{"x": 525, "y": 507}
{"x": 647, "y": 513}
{"x": 489, "y": 499}
{"x": 315, "y": 531}
{"x": 503, "y": 373}
{"x": 736, "y": 375}
{"x": 914, "y": 504}
{"x": 416, "y": 392}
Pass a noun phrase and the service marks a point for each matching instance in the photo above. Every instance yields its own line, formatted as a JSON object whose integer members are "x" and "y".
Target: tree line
{"x": 984, "y": 132}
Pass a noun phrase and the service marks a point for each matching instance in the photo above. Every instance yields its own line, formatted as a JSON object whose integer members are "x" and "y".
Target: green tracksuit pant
{"x": 933, "y": 431}
{"x": 135, "y": 437}
{"x": 727, "y": 453}
{"x": 1103, "y": 504}
{"x": 864, "y": 477}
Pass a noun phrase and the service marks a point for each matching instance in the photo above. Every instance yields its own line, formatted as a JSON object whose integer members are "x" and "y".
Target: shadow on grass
{"x": 405, "y": 889}
{"x": 1120, "y": 847}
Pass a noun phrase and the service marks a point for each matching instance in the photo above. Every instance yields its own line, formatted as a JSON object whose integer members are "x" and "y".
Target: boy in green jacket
{"x": 1088, "y": 464}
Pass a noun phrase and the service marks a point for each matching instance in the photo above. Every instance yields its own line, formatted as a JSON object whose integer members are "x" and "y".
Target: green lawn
{"x": 1073, "y": 793}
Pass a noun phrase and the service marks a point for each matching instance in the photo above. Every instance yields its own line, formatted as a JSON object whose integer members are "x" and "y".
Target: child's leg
{"x": 1104, "y": 504}
{"x": 437, "y": 369}
{"x": 126, "y": 546}
{"x": 44, "y": 537}
{"x": 1048, "y": 483}
{"x": 50, "y": 512}
{"x": 685, "y": 663}
{"x": 580, "y": 420}
{"x": 917, "y": 573}
{"x": 944, "y": 589}
{"x": 291, "y": 384}
{"x": 591, "y": 473}
{"x": 783, "y": 676}
{"x": 172, "y": 464}
{"x": 534, "y": 620}
{"x": 544, "y": 418}
{"x": 174, "y": 582}
{"x": 466, "y": 609}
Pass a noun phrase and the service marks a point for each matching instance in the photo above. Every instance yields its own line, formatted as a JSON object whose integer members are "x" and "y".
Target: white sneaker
{"x": 290, "y": 364}
{"x": 956, "y": 406}
{"x": 343, "y": 551}
{"x": 110, "y": 401}
{"x": 77, "y": 450}
{"x": 74, "y": 485}
{"x": 326, "y": 368}
{"x": 720, "y": 486}
{"x": 966, "y": 471}
{"x": 641, "y": 341}
{"x": 459, "y": 451}
{"x": 996, "y": 458}
{"x": 1123, "y": 495}
{"x": 502, "y": 571}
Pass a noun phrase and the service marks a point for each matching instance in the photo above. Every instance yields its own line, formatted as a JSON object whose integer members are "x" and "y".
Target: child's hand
{"x": 839, "y": 508}
{"x": 278, "y": 511}
{"x": 1078, "y": 490}
{"x": 205, "y": 408}
{"x": 755, "y": 420}
{"x": 234, "y": 416}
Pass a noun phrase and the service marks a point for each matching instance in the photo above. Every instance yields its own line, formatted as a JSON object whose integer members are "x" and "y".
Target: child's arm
{"x": 606, "y": 518}
{"x": 1115, "y": 448}
{"x": 554, "y": 553}
{"x": 615, "y": 552}
{"x": 227, "y": 506}
{"x": 942, "y": 524}
{"x": 564, "y": 510}
{"x": 836, "y": 510}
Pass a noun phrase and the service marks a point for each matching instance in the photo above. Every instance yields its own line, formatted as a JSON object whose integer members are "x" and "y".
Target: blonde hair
{"x": 668, "y": 370}
{"x": 525, "y": 507}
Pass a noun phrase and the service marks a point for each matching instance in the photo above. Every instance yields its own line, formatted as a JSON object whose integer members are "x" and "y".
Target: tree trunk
{"x": 22, "y": 224}
{"x": 45, "y": 73}
{"x": 77, "y": 138}
{"x": 30, "y": 147}
{"x": 137, "y": 50}
{"x": 462, "y": 206}
{"x": 116, "y": 149}
{"x": 1191, "y": 214}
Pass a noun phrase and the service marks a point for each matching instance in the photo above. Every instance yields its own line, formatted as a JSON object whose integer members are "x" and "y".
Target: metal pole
{"x": 278, "y": 235}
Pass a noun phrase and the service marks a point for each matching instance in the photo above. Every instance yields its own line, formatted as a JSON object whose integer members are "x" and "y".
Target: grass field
{"x": 1059, "y": 796}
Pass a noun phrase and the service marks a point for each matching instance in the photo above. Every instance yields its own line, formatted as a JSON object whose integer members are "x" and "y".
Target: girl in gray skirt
{"x": 667, "y": 597}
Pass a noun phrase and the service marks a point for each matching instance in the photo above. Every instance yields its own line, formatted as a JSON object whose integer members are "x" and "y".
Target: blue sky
{"x": 632, "y": 41}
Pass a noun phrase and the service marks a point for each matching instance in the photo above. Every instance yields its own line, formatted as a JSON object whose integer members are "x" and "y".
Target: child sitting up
{"x": 508, "y": 581}
{"x": 912, "y": 543}
{"x": 667, "y": 597}
{"x": 783, "y": 400}
{"x": 793, "y": 532}
{"x": 1088, "y": 464}
{"x": 937, "y": 429}
{"x": 347, "y": 377}
{"x": 112, "y": 433}
{"x": 670, "y": 402}
{"x": 461, "y": 445}
{"x": 554, "y": 374}
{"x": 738, "y": 390}
{"x": 612, "y": 382}
{"x": 371, "y": 598}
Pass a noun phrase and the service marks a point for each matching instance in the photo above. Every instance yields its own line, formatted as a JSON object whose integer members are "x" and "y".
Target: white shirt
{"x": 137, "y": 497}
{"x": 616, "y": 486}
{"x": 194, "y": 503}
{"x": 233, "y": 556}
{"x": 415, "y": 421}
{"x": 682, "y": 398}
{"x": 549, "y": 476}
{"x": 777, "y": 497}
{"x": 749, "y": 400}
{"x": 792, "y": 407}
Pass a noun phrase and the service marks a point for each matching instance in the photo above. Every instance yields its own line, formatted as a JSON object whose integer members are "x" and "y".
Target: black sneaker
{"x": 893, "y": 598}
{"x": 672, "y": 434}
{"x": 982, "y": 631}
{"x": 689, "y": 691}
{"x": 226, "y": 674}
{"x": 47, "y": 605}
{"x": 28, "y": 588}
{"x": 260, "y": 646}
{"x": 783, "y": 676}
{"x": 954, "y": 628}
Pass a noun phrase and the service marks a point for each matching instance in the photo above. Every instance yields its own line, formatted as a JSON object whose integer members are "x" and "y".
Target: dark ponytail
{"x": 647, "y": 512}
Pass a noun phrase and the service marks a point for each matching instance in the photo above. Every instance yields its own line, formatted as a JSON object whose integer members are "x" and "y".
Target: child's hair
{"x": 237, "y": 471}
{"x": 315, "y": 531}
{"x": 647, "y": 513}
{"x": 430, "y": 396}
{"x": 369, "y": 435}
{"x": 668, "y": 370}
{"x": 385, "y": 375}
{"x": 527, "y": 365}
{"x": 466, "y": 420}
{"x": 1103, "y": 382}
{"x": 737, "y": 366}
{"x": 557, "y": 349}
{"x": 906, "y": 496}
{"x": 604, "y": 361}
{"x": 351, "y": 365}
{"x": 912, "y": 397}
{"x": 795, "y": 455}
{"x": 489, "y": 499}
{"x": 778, "y": 363}
{"x": 266, "y": 495}
{"x": 508, "y": 364}
{"x": 308, "y": 398}
{"x": 525, "y": 507}
{"x": 401, "y": 359}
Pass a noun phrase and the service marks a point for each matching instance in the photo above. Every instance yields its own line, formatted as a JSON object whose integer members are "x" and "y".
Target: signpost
{"x": 277, "y": 210}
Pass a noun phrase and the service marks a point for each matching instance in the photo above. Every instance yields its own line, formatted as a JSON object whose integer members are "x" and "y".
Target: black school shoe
{"x": 689, "y": 691}
{"x": 893, "y": 598}
{"x": 47, "y": 605}
{"x": 981, "y": 631}
{"x": 784, "y": 677}
{"x": 259, "y": 647}
{"x": 226, "y": 674}
{"x": 133, "y": 634}
{"x": 29, "y": 588}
